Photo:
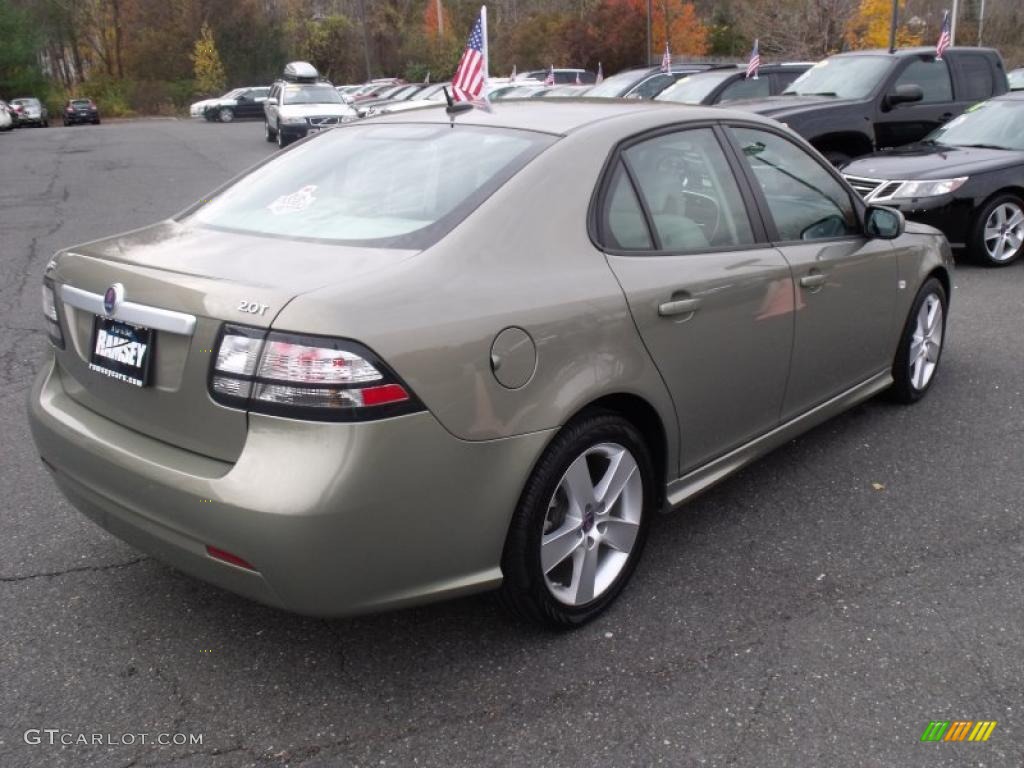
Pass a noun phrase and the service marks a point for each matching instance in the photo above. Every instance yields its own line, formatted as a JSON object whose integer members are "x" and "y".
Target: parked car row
{"x": 31, "y": 111}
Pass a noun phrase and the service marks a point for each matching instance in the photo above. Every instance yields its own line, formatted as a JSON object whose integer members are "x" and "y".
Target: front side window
{"x": 689, "y": 191}
{"x": 389, "y": 186}
{"x": 933, "y": 78}
{"x": 747, "y": 88}
{"x": 805, "y": 200}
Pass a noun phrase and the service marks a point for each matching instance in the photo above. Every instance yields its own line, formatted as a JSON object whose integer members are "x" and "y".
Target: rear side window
{"x": 806, "y": 202}
{"x": 688, "y": 189}
{"x": 977, "y": 77}
{"x": 933, "y": 78}
{"x": 625, "y": 227}
{"x": 391, "y": 186}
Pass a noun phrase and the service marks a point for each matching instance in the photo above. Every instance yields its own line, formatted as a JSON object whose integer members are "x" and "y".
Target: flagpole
{"x": 483, "y": 27}
{"x": 952, "y": 23}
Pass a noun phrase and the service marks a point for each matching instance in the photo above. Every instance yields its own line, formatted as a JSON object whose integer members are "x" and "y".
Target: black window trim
{"x": 599, "y": 199}
{"x": 859, "y": 206}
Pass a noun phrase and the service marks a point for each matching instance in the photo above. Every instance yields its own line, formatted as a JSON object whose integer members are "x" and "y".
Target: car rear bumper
{"x": 336, "y": 519}
{"x": 80, "y": 118}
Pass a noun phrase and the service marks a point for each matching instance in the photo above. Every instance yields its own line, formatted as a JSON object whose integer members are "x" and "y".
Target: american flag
{"x": 945, "y": 38}
{"x": 550, "y": 79}
{"x": 666, "y": 60}
{"x": 600, "y": 74}
{"x": 468, "y": 81}
{"x": 755, "y": 61}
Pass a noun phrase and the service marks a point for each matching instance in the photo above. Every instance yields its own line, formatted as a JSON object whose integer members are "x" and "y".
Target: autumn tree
{"x": 870, "y": 27}
{"x": 677, "y": 20}
{"x": 209, "y": 71}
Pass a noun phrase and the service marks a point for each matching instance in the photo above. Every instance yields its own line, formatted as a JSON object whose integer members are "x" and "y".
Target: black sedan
{"x": 966, "y": 178}
{"x": 81, "y": 111}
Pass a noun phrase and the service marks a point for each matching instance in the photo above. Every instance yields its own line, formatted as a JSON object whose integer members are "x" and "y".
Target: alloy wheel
{"x": 1004, "y": 232}
{"x": 591, "y": 524}
{"x": 926, "y": 342}
{"x": 226, "y": 115}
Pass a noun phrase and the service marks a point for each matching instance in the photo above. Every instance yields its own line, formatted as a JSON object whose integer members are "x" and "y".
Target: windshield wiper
{"x": 982, "y": 146}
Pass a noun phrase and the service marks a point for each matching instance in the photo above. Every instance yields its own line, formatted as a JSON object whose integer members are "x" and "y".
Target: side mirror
{"x": 884, "y": 223}
{"x": 904, "y": 94}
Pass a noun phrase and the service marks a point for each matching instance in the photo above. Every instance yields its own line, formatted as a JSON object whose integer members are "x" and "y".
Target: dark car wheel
{"x": 282, "y": 140}
{"x": 268, "y": 134}
{"x": 581, "y": 522}
{"x": 96, "y": 121}
{"x": 917, "y": 358}
{"x": 997, "y": 238}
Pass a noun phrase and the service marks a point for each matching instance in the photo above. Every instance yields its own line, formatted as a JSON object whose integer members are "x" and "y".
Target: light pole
{"x": 892, "y": 25}
{"x": 647, "y": 53}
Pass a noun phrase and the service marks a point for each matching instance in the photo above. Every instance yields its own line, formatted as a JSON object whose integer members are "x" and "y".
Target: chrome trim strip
{"x": 138, "y": 314}
{"x": 702, "y": 478}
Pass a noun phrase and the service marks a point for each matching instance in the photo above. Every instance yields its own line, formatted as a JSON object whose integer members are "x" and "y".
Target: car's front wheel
{"x": 226, "y": 115}
{"x": 920, "y": 349}
{"x": 282, "y": 140}
{"x": 998, "y": 235}
{"x": 581, "y": 522}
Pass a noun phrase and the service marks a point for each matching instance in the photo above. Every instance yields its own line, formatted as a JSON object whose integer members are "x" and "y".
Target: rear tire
{"x": 920, "y": 349}
{"x": 997, "y": 237}
{"x": 589, "y": 549}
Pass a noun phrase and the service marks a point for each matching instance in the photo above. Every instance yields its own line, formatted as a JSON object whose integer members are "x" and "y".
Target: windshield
{"x": 991, "y": 123}
{"x": 26, "y": 102}
{"x": 401, "y": 185}
{"x": 232, "y": 94}
{"x": 311, "y": 94}
{"x": 694, "y": 88}
{"x": 81, "y": 103}
{"x": 847, "y": 77}
{"x": 616, "y": 85}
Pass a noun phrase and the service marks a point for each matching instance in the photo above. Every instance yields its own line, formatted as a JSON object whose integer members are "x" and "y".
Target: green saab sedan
{"x": 435, "y": 354}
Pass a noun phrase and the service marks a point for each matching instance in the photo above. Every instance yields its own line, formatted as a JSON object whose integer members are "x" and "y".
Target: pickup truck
{"x": 855, "y": 103}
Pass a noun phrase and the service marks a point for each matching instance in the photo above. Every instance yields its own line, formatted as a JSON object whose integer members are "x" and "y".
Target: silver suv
{"x": 301, "y": 103}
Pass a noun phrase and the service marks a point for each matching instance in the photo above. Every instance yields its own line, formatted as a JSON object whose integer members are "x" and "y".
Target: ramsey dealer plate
{"x": 121, "y": 351}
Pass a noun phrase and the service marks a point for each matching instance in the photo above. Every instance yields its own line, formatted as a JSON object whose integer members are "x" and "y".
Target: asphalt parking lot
{"x": 818, "y": 609}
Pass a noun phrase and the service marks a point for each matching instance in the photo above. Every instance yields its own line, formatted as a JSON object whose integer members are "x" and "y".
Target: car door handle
{"x": 678, "y": 307}
{"x": 813, "y": 280}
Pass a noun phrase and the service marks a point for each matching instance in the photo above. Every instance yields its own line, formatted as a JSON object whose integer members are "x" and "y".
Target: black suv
{"x": 854, "y": 103}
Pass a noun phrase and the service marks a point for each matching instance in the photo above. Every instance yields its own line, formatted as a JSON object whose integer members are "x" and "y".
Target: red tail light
{"x": 307, "y": 377}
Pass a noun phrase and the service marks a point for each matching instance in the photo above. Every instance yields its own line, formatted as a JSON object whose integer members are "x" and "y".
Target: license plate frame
{"x": 122, "y": 351}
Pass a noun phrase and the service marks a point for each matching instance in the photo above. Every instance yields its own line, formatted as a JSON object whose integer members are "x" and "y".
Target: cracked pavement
{"x": 792, "y": 616}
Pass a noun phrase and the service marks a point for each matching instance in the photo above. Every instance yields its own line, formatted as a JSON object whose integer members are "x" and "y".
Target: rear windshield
{"x": 311, "y": 94}
{"x": 694, "y": 88}
{"x": 385, "y": 185}
{"x": 80, "y": 103}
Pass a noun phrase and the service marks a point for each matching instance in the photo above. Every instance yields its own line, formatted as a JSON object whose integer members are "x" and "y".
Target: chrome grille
{"x": 864, "y": 186}
{"x": 320, "y": 122}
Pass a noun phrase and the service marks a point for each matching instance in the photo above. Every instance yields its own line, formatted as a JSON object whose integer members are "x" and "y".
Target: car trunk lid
{"x": 173, "y": 271}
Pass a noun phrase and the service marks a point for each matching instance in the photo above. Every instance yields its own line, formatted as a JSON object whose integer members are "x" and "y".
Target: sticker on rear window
{"x": 295, "y": 202}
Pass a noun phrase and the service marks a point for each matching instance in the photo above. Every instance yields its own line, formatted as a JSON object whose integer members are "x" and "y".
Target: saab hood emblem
{"x": 112, "y": 299}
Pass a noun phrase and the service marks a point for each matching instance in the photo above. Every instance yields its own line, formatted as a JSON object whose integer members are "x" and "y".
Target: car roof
{"x": 563, "y": 116}
{"x": 916, "y": 51}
